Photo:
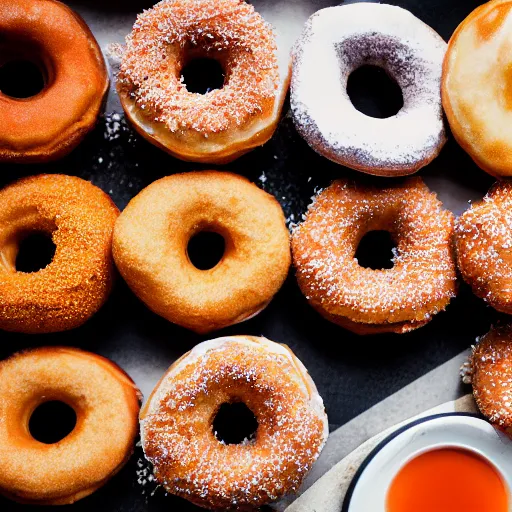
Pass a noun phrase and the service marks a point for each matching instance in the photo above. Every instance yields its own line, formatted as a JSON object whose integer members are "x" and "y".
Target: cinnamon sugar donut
{"x": 365, "y": 301}
{"x": 177, "y": 424}
{"x": 80, "y": 219}
{"x": 490, "y": 371}
{"x": 50, "y": 124}
{"x": 348, "y": 37}
{"x": 151, "y": 241}
{"x": 483, "y": 237}
{"x": 106, "y": 403}
{"x": 477, "y": 83}
{"x": 222, "y": 124}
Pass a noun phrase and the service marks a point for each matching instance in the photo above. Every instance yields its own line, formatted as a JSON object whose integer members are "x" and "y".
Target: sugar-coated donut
{"x": 151, "y": 239}
{"x": 224, "y": 123}
{"x": 422, "y": 280}
{"x": 177, "y": 424}
{"x": 106, "y": 403}
{"x": 483, "y": 238}
{"x": 50, "y": 124}
{"x": 338, "y": 40}
{"x": 80, "y": 219}
{"x": 490, "y": 372}
{"x": 477, "y": 82}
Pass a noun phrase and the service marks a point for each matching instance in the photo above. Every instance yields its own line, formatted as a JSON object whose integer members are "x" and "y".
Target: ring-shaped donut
{"x": 151, "y": 239}
{"x": 224, "y": 123}
{"x": 80, "y": 218}
{"x": 348, "y": 37}
{"x": 50, "y": 124}
{"x": 477, "y": 84}
{"x": 483, "y": 239}
{"x": 177, "y": 424}
{"x": 106, "y": 404}
{"x": 422, "y": 280}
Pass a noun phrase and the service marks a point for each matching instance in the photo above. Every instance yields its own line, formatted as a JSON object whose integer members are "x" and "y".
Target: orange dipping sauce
{"x": 448, "y": 480}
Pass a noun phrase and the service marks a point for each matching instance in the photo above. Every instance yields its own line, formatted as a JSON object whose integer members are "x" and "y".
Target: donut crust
{"x": 106, "y": 403}
{"x": 273, "y": 383}
{"x": 221, "y": 125}
{"x": 152, "y": 235}
{"x": 50, "y": 124}
{"x": 365, "y": 301}
{"x": 80, "y": 219}
{"x": 476, "y": 86}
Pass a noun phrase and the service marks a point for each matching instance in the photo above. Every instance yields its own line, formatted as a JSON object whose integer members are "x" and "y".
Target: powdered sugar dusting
{"x": 347, "y": 37}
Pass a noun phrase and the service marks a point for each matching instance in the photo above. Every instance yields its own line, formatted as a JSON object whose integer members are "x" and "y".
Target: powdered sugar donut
{"x": 338, "y": 40}
{"x": 177, "y": 424}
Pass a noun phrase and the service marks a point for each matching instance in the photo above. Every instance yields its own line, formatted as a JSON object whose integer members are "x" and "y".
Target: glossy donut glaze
{"x": 49, "y": 125}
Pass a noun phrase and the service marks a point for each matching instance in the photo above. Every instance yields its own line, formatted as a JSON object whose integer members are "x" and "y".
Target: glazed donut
{"x": 366, "y": 301}
{"x": 177, "y": 424}
{"x": 490, "y": 371}
{"x": 106, "y": 403}
{"x": 348, "y": 37}
{"x": 222, "y": 124}
{"x": 151, "y": 239}
{"x": 477, "y": 83}
{"x": 50, "y": 124}
{"x": 483, "y": 238}
{"x": 80, "y": 219}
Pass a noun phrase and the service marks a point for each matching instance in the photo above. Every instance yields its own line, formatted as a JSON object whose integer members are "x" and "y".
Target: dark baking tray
{"x": 352, "y": 373}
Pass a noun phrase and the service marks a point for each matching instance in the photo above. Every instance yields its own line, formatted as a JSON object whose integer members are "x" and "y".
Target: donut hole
{"x": 374, "y": 92}
{"x": 202, "y": 75}
{"x": 206, "y": 249}
{"x": 21, "y": 79}
{"x": 234, "y": 423}
{"x": 35, "y": 252}
{"x": 52, "y": 421}
{"x": 376, "y": 250}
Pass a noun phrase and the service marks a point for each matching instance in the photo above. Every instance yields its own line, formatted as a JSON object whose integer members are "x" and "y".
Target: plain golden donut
{"x": 224, "y": 123}
{"x": 477, "y": 84}
{"x": 151, "y": 239}
{"x": 80, "y": 219}
{"x": 422, "y": 280}
{"x": 49, "y": 125}
{"x": 483, "y": 238}
{"x": 177, "y": 424}
{"x": 106, "y": 403}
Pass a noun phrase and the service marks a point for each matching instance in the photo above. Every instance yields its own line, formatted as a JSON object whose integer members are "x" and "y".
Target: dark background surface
{"x": 351, "y": 372}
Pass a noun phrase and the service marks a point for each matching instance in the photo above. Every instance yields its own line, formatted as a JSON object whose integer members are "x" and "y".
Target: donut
{"x": 348, "y": 37}
{"x": 80, "y": 219}
{"x": 178, "y": 437}
{"x": 405, "y": 297}
{"x": 476, "y": 86}
{"x": 106, "y": 403}
{"x": 483, "y": 239}
{"x": 490, "y": 370}
{"x": 151, "y": 240}
{"x": 221, "y": 125}
{"x": 50, "y": 124}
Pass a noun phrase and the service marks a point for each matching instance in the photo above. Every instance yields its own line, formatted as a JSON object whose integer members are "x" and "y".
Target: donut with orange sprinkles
{"x": 79, "y": 218}
{"x": 223, "y": 123}
{"x": 422, "y": 280}
{"x": 177, "y": 424}
{"x": 483, "y": 238}
{"x": 490, "y": 372}
{"x": 106, "y": 403}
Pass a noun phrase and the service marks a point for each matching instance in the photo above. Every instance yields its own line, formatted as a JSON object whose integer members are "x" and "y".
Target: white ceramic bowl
{"x": 369, "y": 489}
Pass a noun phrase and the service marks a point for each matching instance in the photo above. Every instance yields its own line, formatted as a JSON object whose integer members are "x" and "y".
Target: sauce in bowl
{"x": 448, "y": 480}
